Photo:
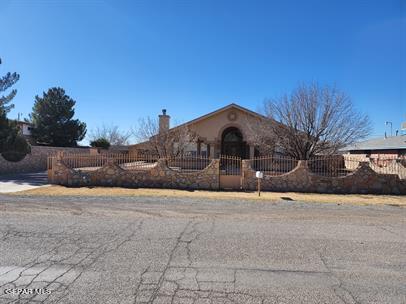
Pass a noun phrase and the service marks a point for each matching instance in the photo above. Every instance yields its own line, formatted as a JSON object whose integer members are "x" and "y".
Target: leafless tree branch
{"x": 312, "y": 120}
{"x": 112, "y": 134}
{"x": 172, "y": 142}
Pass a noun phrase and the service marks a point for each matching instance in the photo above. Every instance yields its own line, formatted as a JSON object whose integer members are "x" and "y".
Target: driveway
{"x": 168, "y": 250}
{"x": 22, "y": 181}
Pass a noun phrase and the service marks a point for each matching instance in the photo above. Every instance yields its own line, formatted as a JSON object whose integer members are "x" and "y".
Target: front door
{"x": 232, "y": 150}
{"x": 232, "y": 143}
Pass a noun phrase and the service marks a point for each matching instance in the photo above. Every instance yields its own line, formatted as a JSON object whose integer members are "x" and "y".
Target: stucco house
{"x": 223, "y": 131}
{"x": 25, "y": 130}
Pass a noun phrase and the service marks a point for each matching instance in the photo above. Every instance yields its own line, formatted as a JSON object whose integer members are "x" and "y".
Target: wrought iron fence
{"x": 273, "y": 165}
{"x": 138, "y": 162}
{"x": 89, "y": 162}
{"x": 332, "y": 165}
{"x": 324, "y": 165}
{"x": 230, "y": 165}
{"x": 187, "y": 163}
{"x": 389, "y": 166}
{"x": 84, "y": 161}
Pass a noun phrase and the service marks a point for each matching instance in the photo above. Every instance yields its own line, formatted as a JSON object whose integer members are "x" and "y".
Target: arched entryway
{"x": 232, "y": 143}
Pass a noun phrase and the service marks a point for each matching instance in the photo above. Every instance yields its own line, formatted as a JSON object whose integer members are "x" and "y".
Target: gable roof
{"x": 200, "y": 118}
{"x": 230, "y": 106}
{"x": 389, "y": 143}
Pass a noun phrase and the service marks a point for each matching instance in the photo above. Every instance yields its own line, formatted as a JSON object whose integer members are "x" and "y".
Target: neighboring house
{"x": 118, "y": 149}
{"x": 389, "y": 147}
{"x": 25, "y": 129}
{"x": 224, "y": 131}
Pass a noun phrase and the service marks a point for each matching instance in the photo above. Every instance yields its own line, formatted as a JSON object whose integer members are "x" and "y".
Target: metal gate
{"x": 230, "y": 172}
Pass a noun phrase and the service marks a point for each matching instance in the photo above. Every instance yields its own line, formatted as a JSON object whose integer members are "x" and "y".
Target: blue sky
{"x": 122, "y": 60}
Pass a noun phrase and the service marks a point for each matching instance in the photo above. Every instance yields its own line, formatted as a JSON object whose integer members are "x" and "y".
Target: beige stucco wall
{"x": 211, "y": 128}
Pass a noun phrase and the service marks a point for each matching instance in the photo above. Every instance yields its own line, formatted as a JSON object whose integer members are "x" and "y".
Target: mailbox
{"x": 259, "y": 174}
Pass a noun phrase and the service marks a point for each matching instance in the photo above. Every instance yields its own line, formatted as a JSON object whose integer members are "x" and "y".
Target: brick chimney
{"x": 163, "y": 121}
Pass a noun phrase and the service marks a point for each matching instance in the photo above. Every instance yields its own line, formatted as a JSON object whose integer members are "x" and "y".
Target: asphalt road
{"x": 157, "y": 250}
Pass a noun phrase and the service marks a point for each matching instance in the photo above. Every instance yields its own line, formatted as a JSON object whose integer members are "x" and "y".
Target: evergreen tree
{"x": 52, "y": 118}
{"x": 16, "y": 148}
{"x": 8, "y": 129}
{"x": 100, "y": 143}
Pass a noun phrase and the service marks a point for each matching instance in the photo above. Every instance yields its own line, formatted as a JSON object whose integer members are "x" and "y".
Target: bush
{"x": 16, "y": 149}
{"x": 100, "y": 143}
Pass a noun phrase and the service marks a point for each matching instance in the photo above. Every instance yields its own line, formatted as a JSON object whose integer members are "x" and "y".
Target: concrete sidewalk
{"x": 23, "y": 181}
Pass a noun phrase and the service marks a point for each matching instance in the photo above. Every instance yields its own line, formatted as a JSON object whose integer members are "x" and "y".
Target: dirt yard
{"x": 359, "y": 199}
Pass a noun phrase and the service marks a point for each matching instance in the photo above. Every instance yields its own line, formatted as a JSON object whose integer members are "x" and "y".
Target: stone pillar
{"x": 59, "y": 155}
{"x": 252, "y": 151}
{"x": 363, "y": 164}
{"x": 248, "y": 179}
{"x": 302, "y": 164}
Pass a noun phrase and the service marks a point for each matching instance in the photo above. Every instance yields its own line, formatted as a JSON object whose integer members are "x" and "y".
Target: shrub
{"x": 16, "y": 149}
{"x": 100, "y": 143}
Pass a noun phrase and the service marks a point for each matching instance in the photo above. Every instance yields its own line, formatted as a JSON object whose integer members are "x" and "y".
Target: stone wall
{"x": 301, "y": 179}
{"x": 159, "y": 176}
{"x": 36, "y": 161}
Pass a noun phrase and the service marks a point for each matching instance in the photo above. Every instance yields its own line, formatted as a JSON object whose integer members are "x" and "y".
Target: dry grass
{"x": 363, "y": 199}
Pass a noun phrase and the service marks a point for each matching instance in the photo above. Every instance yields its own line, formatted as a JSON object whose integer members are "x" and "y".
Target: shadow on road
{"x": 32, "y": 179}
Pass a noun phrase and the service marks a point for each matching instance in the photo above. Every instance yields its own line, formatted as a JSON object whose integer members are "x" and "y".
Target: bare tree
{"x": 313, "y": 120}
{"x": 112, "y": 133}
{"x": 168, "y": 143}
{"x": 260, "y": 134}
